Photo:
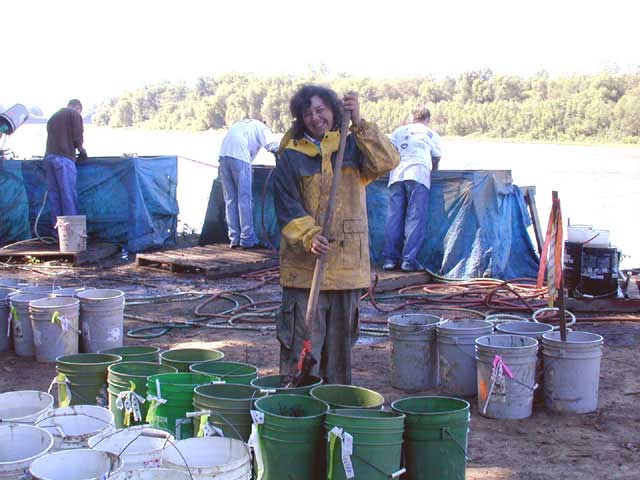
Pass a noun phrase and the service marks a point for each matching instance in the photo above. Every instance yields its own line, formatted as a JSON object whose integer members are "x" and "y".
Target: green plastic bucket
{"x": 135, "y": 353}
{"x": 176, "y": 389}
{"x": 121, "y": 376}
{"x": 290, "y": 437}
{"x": 377, "y": 443}
{"x": 278, "y": 382}
{"x": 183, "y": 358}
{"x": 229, "y": 372}
{"x": 435, "y": 439}
{"x": 86, "y": 375}
{"x": 347, "y": 396}
{"x": 230, "y": 406}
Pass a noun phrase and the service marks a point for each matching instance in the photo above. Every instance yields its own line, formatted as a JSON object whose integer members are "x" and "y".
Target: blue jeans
{"x": 62, "y": 191}
{"x": 406, "y": 221}
{"x": 236, "y": 186}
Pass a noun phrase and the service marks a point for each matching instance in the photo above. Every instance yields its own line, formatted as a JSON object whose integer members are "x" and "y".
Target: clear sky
{"x": 53, "y": 50}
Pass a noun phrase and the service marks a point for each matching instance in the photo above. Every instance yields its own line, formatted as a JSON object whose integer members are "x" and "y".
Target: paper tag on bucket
{"x": 257, "y": 416}
{"x": 347, "y": 451}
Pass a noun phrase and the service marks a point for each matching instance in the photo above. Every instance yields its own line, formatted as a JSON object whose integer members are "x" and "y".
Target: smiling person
{"x": 303, "y": 178}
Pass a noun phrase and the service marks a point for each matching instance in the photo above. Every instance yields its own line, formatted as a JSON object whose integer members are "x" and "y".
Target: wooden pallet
{"x": 34, "y": 248}
{"x": 396, "y": 279}
{"x": 214, "y": 261}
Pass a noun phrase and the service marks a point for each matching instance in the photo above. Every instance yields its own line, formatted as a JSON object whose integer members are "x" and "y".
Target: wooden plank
{"x": 603, "y": 305}
{"x": 394, "y": 280}
{"x": 530, "y": 197}
{"x": 214, "y": 261}
{"x": 95, "y": 252}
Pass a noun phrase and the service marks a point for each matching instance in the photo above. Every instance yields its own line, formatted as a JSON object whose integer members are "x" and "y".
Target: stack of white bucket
{"x": 46, "y": 321}
{"x": 505, "y": 370}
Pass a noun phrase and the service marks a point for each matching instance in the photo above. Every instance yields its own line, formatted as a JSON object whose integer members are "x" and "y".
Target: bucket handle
{"x": 534, "y": 317}
{"x": 444, "y": 430}
{"x": 455, "y": 342}
{"x": 151, "y": 434}
{"x": 208, "y": 413}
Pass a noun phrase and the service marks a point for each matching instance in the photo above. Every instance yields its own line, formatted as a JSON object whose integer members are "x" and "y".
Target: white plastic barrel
{"x": 137, "y": 450}
{"x": 508, "y": 395}
{"x": 24, "y": 406}
{"x": 101, "y": 319}
{"x": 72, "y": 232}
{"x": 20, "y": 445}
{"x": 210, "y": 458}
{"x": 414, "y": 361}
{"x": 456, "y": 354}
{"x": 72, "y": 427}
{"x": 54, "y": 339}
{"x": 572, "y": 371}
{"x": 81, "y": 464}
{"x": 5, "y": 308}
{"x": 21, "y": 323}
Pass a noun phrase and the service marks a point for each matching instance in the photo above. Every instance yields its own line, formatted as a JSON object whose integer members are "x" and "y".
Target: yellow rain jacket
{"x": 303, "y": 178}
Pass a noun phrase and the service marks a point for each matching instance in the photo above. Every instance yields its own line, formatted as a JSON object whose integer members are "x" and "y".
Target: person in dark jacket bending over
{"x": 303, "y": 178}
{"x": 64, "y": 136}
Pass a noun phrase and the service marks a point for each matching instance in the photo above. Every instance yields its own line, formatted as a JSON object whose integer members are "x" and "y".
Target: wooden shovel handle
{"x": 321, "y": 260}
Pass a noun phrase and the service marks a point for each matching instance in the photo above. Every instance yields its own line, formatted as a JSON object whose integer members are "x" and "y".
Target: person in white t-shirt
{"x": 409, "y": 185}
{"x": 239, "y": 148}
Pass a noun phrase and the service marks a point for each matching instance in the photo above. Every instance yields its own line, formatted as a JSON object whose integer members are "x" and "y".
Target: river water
{"x": 597, "y": 185}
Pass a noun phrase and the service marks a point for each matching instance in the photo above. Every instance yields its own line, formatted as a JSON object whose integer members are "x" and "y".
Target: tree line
{"x": 583, "y": 108}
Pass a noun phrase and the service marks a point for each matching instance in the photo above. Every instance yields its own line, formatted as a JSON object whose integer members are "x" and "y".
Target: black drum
{"x": 599, "y": 271}
{"x": 571, "y": 265}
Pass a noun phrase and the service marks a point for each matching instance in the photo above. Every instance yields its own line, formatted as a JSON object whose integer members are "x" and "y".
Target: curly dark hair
{"x": 302, "y": 100}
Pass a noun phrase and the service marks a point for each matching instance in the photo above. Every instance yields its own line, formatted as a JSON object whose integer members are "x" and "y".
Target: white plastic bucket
{"x": 81, "y": 464}
{"x": 5, "y": 308}
{"x": 414, "y": 361}
{"x": 21, "y": 323}
{"x": 599, "y": 239}
{"x": 136, "y": 450}
{"x": 72, "y": 231}
{"x": 68, "y": 291}
{"x": 24, "y": 406}
{"x": 101, "y": 319}
{"x": 508, "y": 396}
{"x": 456, "y": 354}
{"x": 152, "y": 474}
{"x": 10, "y": 282}
{"x": 72, "y": 427}
{"x": 20, "y": 445}
{"x": 39, "y": 289}
{"x": 572, "y": 371}
{"x": 52, "y": 340}
{"x": 210, "y": 458}
{"x": 579, "y": 233}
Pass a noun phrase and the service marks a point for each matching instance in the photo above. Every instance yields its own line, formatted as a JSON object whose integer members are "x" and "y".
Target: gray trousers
{"x": 335, "y": 330}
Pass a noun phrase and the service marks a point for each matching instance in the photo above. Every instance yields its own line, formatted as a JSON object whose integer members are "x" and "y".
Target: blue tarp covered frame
{"x": 477, "y": 223}
{"x": 127, "y": 200}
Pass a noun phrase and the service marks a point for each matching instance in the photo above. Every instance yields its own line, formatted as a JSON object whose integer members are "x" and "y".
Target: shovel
{"x": 306, "y": 361}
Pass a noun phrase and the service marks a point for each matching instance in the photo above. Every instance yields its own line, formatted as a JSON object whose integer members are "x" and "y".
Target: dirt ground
{"x": 601, "y": 445}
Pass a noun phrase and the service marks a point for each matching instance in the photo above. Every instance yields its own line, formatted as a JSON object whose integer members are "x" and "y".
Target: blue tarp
{"x": 129, "y": 201}
{"x": 477, "y": 223}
